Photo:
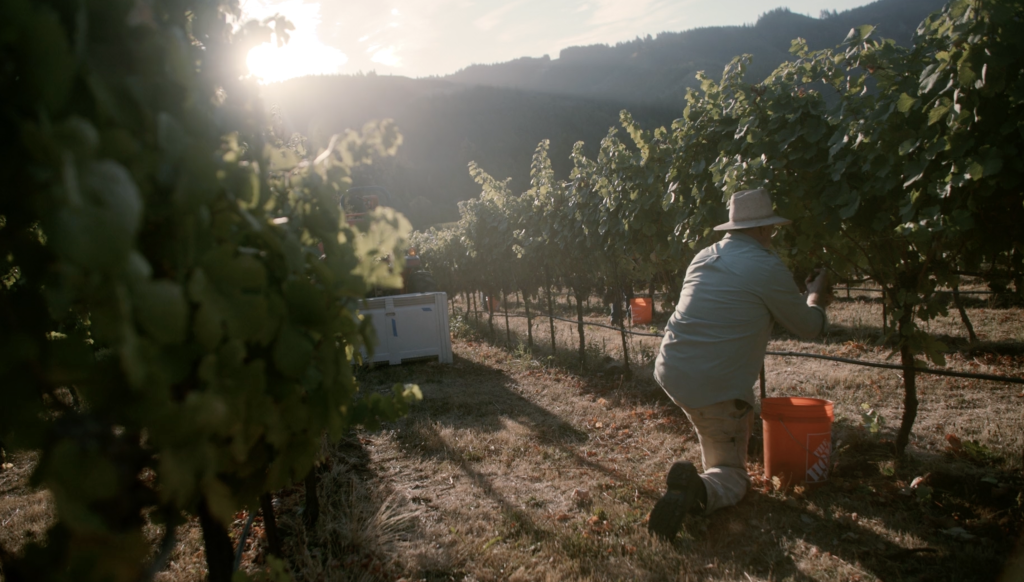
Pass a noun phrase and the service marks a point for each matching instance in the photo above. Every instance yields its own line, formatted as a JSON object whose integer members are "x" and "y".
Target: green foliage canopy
{"x": 172, "y": 338}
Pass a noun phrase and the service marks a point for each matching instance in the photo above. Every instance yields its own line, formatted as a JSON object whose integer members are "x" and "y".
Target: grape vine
{"x": 901, "y": 165}
{"x": 173, "y": 344}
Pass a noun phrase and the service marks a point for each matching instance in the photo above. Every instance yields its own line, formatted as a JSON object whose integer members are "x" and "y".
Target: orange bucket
{"x": 640, "y": 307}
{"x": 797, "y": 439}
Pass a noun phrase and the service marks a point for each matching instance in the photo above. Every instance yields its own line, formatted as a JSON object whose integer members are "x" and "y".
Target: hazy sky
{"x": 418, "y": 38}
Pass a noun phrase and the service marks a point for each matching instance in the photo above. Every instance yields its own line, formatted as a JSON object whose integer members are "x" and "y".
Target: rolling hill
{"x": 496, "y": 114}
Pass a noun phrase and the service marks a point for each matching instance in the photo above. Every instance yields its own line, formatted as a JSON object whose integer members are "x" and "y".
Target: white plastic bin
{"x": 410, "y": 327}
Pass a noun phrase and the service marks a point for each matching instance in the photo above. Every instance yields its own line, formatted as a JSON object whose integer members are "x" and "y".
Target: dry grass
{"x": 503, "y": 441}
{"x": 988, "y": 412}
{"x": 25, "y": 513}
{"x": 517, "y": 467}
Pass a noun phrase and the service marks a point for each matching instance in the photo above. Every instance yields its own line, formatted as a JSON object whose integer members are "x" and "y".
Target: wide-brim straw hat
{"x": 751, "y": 208}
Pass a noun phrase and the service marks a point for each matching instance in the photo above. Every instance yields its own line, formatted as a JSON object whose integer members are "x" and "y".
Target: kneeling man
{"x": 714, "y": 348}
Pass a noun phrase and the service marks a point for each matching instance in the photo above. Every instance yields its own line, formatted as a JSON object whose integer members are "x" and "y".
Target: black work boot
{"x": 686, "y": 495}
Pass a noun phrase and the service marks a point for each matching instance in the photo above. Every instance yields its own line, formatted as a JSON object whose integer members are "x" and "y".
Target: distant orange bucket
{"x": 640, "y": 307}
{"x": 797, "y": 439}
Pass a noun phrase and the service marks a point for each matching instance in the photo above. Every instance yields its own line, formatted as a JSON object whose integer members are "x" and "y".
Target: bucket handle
{"x": 793, "y": 438}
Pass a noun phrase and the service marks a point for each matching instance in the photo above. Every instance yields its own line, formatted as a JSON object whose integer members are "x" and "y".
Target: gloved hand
{"x": 819, "y": 290}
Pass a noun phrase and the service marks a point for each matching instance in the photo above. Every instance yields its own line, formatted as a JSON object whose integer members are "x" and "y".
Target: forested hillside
{"x": 658, "y": 70}
{"x": 445, "y": 126}
{"x": 496, "y": 114}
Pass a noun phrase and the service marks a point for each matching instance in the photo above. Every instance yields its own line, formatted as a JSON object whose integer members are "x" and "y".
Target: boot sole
{"x": 667, "y": 516}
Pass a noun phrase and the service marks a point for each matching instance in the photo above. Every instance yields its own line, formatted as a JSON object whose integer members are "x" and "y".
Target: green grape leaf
{"x": 905, "y": 103}
{"x": 162, "y": 311}
{"x": 293, "y": 351}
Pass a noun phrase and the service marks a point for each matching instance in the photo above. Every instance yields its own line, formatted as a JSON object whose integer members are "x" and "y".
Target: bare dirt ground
{"x": 518, "y": 466}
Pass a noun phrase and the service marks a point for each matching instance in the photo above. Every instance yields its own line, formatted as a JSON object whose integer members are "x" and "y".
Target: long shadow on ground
{"x": 964, "y": 526}
{"x": 485, "y": 410}
{"x": 488, "y": 403}
{"x": 965, "y": 529}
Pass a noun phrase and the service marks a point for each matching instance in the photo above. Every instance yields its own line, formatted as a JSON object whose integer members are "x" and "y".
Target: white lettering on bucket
{"x": 819, "y": 449}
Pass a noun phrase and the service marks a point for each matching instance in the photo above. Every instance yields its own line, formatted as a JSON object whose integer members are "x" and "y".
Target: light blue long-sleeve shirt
{"x": 715, "y": 341}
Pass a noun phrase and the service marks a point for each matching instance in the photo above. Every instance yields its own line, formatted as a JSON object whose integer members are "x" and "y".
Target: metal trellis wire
{"x": 852, "y": 361}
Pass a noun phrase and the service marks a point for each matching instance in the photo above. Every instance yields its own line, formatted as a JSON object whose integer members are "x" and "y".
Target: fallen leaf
{"x": 954, "y": 442}
{"x": 599, "y": 424}
{"x": 919, "y": 480}
{"x": 598, "y": 525}
{"x": 563, "y": 517}
{"x": 602, "y": 401}
{"x": 581, "y": 495}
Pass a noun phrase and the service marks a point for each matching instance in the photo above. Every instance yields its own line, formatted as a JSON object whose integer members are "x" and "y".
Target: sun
{"x": 270, "y": 63}
{"x": 304, "y": 54}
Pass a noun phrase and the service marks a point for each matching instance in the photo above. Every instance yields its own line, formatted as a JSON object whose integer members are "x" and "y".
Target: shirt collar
{"x": 745, "y": 239}
{"x": 741, "y": 237}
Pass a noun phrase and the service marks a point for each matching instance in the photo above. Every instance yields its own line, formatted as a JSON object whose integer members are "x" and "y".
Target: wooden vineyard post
{"x": 270, "y": 525}
{"x": 529, "y": 322}
{"x": 627, "y": 373}
{"x": 219, "y": 553}
{"x": 909, "y": 386}
{"x": 580, "y": 329}
{"x": 625, "y": 348}
{"x": 551, "y": 311}
{"x": 490, "y": 313}
{"x": 885, "y": 315}
{"x": 650, "y": 292}
{"x": 508, "y": 330}
{"x": 971, "y": 336}
{"x": 312, "y": 512}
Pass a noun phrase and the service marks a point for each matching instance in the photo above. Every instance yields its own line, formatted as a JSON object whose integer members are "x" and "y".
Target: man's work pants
{"x": 723, "y": 430}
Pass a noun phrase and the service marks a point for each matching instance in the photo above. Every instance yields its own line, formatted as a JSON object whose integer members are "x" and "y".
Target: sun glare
{"x": 304, "y": 54}
{"x": 387, "y": 56}
{"x": 271, "y": 64}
